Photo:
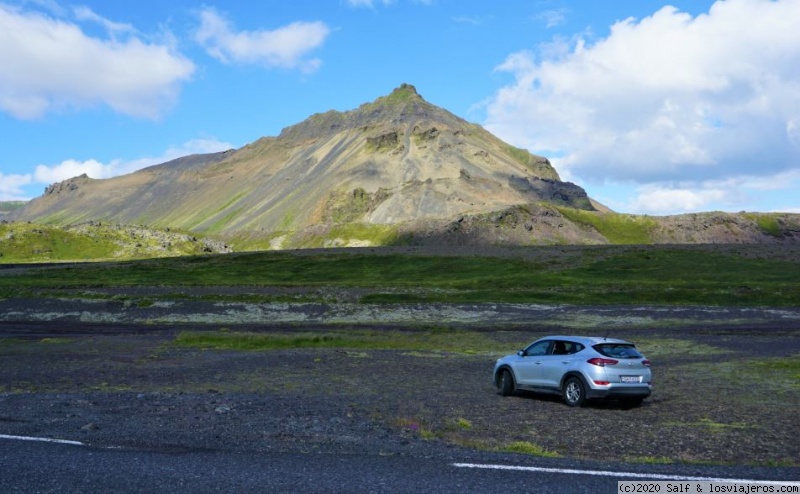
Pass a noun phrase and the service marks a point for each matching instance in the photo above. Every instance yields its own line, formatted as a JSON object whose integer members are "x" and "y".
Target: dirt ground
{"x": 725, "y": 393}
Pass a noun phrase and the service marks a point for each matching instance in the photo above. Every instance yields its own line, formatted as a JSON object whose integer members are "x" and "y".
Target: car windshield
{"x": 618, "y": 350}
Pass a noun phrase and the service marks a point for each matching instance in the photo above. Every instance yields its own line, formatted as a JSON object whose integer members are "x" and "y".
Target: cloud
{"x": 48, "y": 63}
{"x": 83, "y": 13}
{"x": 372, "y": 3}
{"x": 472, "y": 20}
{"x": 553, "y": 17}
{"x": 285, "y": 47}
{"x": 776, "y": 192}
{"x": 669, "y": 98}
{"x": 12, "y": 186}
{"x": 657, "y": 199}
{"x": 368, "y": 3}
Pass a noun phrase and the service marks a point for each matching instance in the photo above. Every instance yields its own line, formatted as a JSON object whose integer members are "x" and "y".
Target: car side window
{"x": 566, "y": 348}
{"x": 574, "y": 348}
{"x": 538, "y": 348}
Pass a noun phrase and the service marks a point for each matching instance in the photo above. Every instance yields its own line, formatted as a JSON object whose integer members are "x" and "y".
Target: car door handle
{"x": 565, "y": 361}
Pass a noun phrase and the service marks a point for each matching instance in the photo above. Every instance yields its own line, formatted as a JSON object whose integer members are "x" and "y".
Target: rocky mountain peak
{"x": 395, "y": 162}
{"x": 404, "y": 92}
{"x": 401, "y": 105}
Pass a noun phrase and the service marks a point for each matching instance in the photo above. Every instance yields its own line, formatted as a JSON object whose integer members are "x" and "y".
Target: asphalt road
{"x": 32, "y": 466}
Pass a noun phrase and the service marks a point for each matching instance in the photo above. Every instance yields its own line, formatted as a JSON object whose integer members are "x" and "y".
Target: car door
{"x": 556, "y": 363}
{"x": 528, "y": 368}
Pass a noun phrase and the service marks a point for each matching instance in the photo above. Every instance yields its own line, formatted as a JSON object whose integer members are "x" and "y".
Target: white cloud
{"x": 657, "y": 199}
{"x": 84, "y": 13}
{"x": 465, "y": 19}
{"x": 773, "y": 192}
{"x": 48, "y": 63}
{"x": 48, "y": 174}
{"x": 368, "y": 3}
{"x": 552, "y": 18}
{"x": 372, "y": 3}
{"x": 71, "y": 168}
{"x": 284, "y": 47}
{"x": 12, "y": 186}
{"x": 665, "y": 99}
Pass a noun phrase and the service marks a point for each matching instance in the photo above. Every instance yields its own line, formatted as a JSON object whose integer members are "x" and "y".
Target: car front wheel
{"x": 506, "y": 383}
{"x": 574, "y": 392}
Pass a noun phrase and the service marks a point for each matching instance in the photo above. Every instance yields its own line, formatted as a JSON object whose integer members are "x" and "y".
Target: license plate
{"x": 631, "y": 379}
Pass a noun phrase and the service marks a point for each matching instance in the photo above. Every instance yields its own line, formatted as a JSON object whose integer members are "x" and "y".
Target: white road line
{"x": 42, "y": 439}
{"x": 603, "y": 473}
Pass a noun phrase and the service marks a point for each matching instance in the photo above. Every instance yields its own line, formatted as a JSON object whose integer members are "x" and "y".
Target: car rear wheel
{"x": 506, "y": 383}
{"x": 574, "y": 392}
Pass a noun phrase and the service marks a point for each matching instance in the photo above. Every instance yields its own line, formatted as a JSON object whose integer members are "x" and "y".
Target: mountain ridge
{"x": 394, "y": 170}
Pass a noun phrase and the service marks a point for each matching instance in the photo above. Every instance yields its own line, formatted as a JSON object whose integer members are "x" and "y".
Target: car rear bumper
{"x": 626, "y": 392}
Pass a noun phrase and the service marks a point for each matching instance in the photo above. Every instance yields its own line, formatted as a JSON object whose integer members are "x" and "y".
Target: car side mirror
{"x": 521, "y": 353}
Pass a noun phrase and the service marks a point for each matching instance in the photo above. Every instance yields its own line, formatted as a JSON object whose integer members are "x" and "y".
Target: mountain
{"x": 7, "y": 207}
{"x": 396, "y": 170}
{"x": 397, "y": 160}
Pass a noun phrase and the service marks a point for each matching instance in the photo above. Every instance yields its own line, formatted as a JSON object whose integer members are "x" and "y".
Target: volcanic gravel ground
{"x": 127, "y": 385}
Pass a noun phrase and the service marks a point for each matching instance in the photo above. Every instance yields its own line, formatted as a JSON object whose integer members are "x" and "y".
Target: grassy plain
{"x": 724, "y": 393}
{"x": 697, "y": 275}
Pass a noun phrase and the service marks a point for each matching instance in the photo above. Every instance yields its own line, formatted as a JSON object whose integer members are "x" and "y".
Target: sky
{"x": 653, "y": 107}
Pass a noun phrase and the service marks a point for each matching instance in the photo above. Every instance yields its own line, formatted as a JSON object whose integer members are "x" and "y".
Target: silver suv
{"x": 577, "y": 368}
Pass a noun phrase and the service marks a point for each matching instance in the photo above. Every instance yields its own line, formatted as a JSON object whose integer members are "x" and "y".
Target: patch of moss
{"x": 470, "y": 342}
{"x": 650, "y": 460}
{"x": 350, "y": 235}
{"x": 768, "y": 223}
{"x": 352, "y": 206}
{"x": 528, "y": 448}
{"x": 221, "y": 223}
{"x": 29, "y": 242}
{"x": 620, "y": 229}
{"x": 712, "y": 426}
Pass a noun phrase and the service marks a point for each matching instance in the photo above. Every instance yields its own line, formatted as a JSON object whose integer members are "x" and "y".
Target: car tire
{"x": 506, "y": 383}
{"x": 574, "y": 392}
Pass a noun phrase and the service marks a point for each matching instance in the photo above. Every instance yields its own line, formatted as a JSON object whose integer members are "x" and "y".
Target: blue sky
{"x": 653, "y": 107}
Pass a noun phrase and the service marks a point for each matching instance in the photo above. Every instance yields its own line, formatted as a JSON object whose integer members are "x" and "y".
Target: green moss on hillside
{"x": 768, "y": 223}
{"x": 621, "y": 229}
{"x": 26, "y": 242}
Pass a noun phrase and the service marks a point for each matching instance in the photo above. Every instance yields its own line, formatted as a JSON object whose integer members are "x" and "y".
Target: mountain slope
{"x": 397, "y": 160}
{"x": 396, "y": 170}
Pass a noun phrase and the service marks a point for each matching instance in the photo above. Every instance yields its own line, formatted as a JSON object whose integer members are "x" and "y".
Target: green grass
{"x": 664, "y": 348}
{"x": 26, "y": 242}
{"x": 620, "y": 229}
{"x": 349, "y": 233}
{"x": 768, "y": 223}
{"x": 431, "y": 340}
{"x": 650, "y": 460}
{"x": 529, "y": 448}
{"x": 777, "y": 369}
{"x": 680, "y": 276}
{"x": 711, "y": 426}
{"x": 758, "y": 377}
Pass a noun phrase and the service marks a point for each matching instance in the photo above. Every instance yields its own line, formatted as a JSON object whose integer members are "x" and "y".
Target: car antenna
{"x": 605, "y": 338}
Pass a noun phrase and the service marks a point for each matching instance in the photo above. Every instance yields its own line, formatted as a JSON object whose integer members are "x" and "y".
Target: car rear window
{"x": 618, "y": 350}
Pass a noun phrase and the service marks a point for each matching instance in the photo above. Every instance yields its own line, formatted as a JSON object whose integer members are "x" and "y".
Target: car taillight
{"x": 602, "y": 362}
{"x": 646, "y": 363}
{"x": 602, "y": 383}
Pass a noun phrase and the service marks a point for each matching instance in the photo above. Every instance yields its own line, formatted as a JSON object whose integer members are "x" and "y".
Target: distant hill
{"x": 29, "y": 242}
{"x": 398, "y": 170}
{"x": 6, "y": 207}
